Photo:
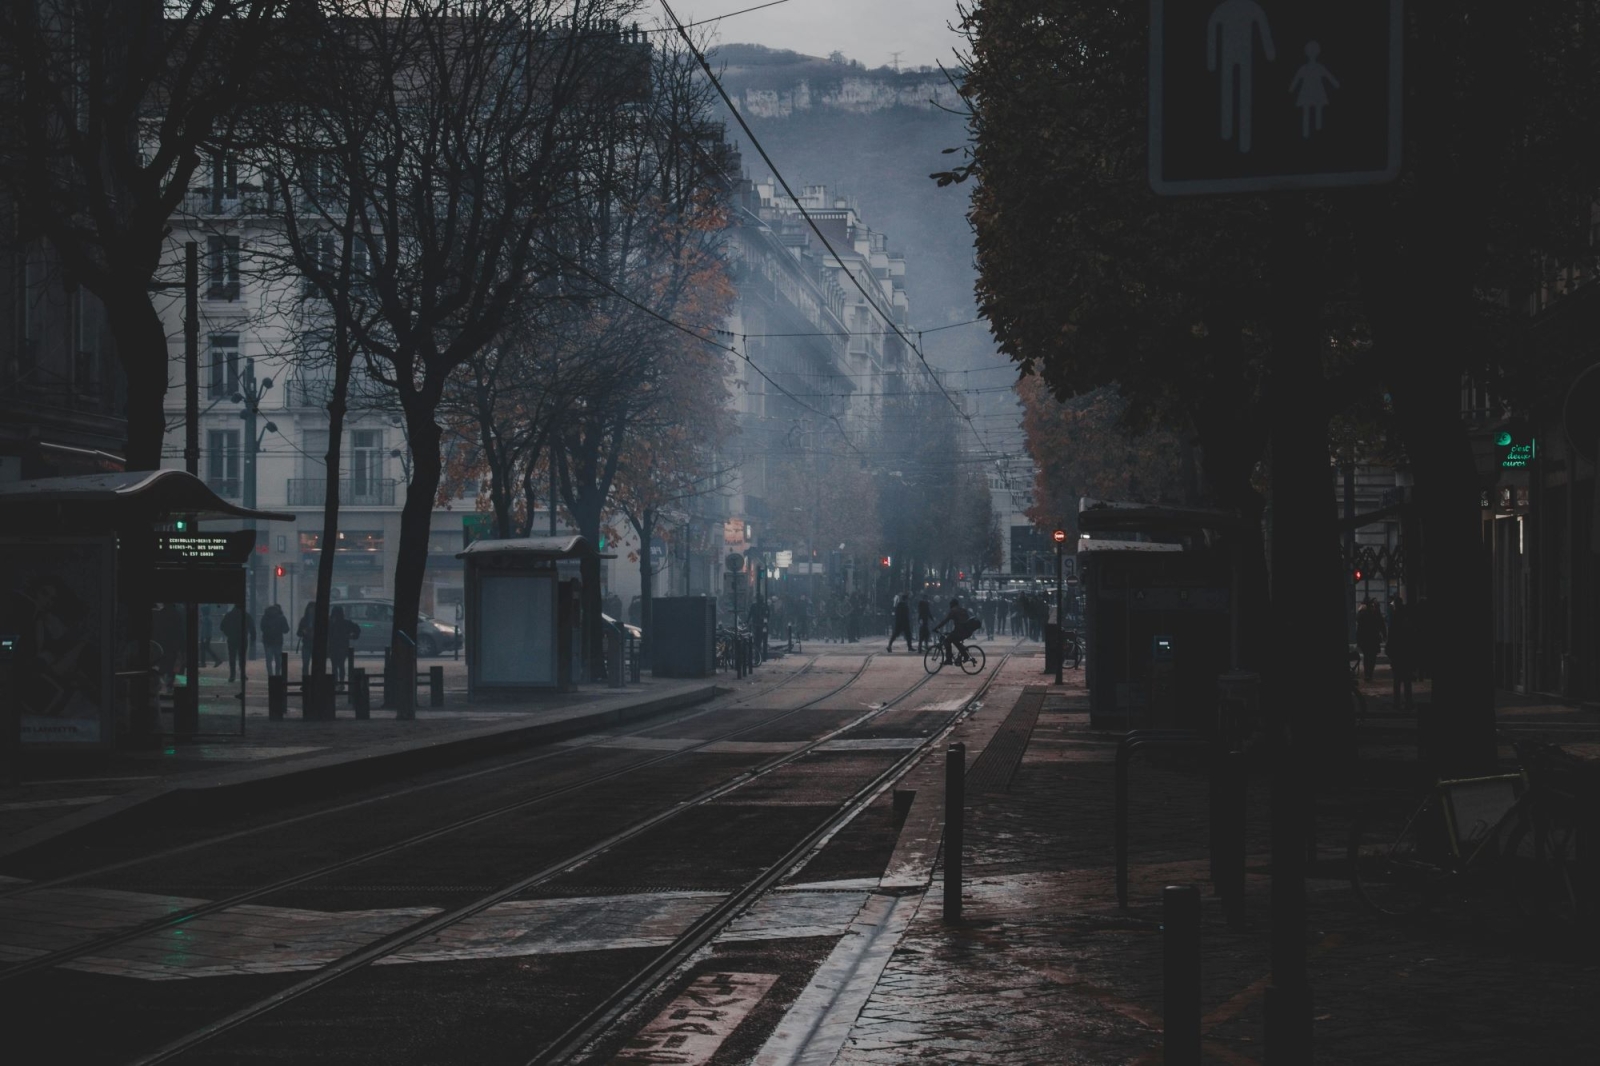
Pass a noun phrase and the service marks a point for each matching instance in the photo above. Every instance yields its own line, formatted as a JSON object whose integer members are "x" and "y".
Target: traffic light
{"x": 181, "y": 525}
{"x": 886, "y": 561}
{"x": 277, "y": 571}
{"x": 1357, "y": 574}
{"x": 961, "y": 575}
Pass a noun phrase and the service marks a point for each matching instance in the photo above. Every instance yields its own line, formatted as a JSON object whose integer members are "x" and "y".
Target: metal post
{"x": 955, "y": 801}
{"x": 1061, "y": 646}
{"x": 186, "y": 716}
{"x": 1180, "y": 975}
{"x": 436, "y": 686}
{"x": 360, "y": 694}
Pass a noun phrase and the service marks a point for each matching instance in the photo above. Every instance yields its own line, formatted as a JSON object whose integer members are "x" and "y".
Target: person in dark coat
{"x": 902, "y": 622}
{"x": 303, "y": 633}
{"x": 924, "y": 621}
{"x": 1369, "y": 635}
{"x": 206, "y": 650}
{"x": 239, "y": 629}
{"x": 274, "y": 627}
{"x": 341, "y": 634}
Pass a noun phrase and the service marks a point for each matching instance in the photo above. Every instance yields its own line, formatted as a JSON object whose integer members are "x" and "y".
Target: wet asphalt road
{"x": 501, "y": 987}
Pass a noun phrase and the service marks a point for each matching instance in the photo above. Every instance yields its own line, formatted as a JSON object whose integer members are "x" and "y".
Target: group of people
{"x": 1400, "y": 634}
{"x": 960, "y": 620}
{"x": 239, "y": 634}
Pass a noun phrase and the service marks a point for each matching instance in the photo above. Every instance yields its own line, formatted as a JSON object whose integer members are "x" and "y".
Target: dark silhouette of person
{"x": 239, "y": 630}
{"x": 274, "y": 627}
{"x": 1369, "y": 635}
{"x": 341, "y": 634}
{"x": 206, "y": 650}
{"x": 924, "y": 621}
{"x": 902, "y": 622}
{"x": 303, "y": 633}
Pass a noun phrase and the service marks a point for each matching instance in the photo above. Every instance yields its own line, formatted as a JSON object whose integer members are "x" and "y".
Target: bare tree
{"x": 435, "y": 173}
{"x": 113, "y": 103}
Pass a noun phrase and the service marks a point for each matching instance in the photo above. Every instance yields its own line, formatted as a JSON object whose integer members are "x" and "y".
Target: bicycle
{"x": 1524, "y": 830}
{"x": 933, "y": 659}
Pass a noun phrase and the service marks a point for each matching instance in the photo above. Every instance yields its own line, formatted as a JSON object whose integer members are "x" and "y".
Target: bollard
{"x": 435, "y": 686}
{"x": 955, "y": 801}
{"x": 277, "y": 696}
{"x": 1180, "y": 975}
{"x": 1230, "y": 863}
{"x": 360, "y": 694}
{"x": 283, "y": 665}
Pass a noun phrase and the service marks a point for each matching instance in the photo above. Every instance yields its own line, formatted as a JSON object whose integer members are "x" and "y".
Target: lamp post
{"x": 1060, "y": 537}
{"x": 251, "y": 394}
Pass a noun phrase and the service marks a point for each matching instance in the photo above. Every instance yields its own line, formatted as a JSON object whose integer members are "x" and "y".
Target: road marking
{"x": 816, "y": 1027}
{"x": 65, "y": 801}
{"x": 693, "y": 1027}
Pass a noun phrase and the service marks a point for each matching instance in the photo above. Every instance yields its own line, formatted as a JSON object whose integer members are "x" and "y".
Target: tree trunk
{"x": 411, "y": 561}
{"x": 344, "y": 358}
{"x": 141, "y": 342}
{"x": 646, "y": 527}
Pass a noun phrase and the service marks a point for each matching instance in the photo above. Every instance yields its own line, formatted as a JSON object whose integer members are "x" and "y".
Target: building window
{"x": 222, "y": 268}
{"x": 366, "y": 464}
{"x": 224, "y": 180}
{"x": 224, "y": 365}
{"x": 223, "y": 462}
{"x": 324, "y": 270}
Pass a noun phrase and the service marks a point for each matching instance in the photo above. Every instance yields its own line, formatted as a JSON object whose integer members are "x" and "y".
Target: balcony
{"x": 371, "y": 492}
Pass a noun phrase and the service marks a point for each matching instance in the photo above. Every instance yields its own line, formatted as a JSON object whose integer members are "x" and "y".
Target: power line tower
{"x": 896, "y": 57}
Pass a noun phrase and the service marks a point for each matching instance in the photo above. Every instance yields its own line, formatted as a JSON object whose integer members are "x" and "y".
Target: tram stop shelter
{"x": 83, "y": 561}
{"x": 523, "y": 614}
{"x": 1161, "y": 609}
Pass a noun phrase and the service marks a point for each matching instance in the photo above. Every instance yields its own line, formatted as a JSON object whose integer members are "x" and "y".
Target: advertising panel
{"x": 56, "y": 604}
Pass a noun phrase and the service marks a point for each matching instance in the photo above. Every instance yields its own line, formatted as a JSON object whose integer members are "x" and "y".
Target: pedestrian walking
{"x": 239, "y": 630}
{"x": 304, "y": 632}
{"x": 206, "y": 650}
{"x": 1369, "y": 635}
{"x": 924, "y": 621}
{"x": 341, "y": 634}
{"x": 274, "y": 627}
{"x": 902, "y": 622}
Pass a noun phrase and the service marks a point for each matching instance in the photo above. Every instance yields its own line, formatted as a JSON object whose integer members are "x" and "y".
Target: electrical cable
{"x": 778, "y": 175}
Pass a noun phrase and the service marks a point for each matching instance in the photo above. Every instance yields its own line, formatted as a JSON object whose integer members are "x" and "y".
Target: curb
{"x": 238, "y": 790}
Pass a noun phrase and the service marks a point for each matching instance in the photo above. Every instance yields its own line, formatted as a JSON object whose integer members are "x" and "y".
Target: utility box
{"x": 522, "y": 599}
{"x": 1157, "y": 619}
{"x": 683, "y": 636}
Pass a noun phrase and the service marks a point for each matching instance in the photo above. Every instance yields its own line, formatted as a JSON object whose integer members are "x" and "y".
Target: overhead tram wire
{"x": 738, "y": 116}
{"x": 689, "y": 331}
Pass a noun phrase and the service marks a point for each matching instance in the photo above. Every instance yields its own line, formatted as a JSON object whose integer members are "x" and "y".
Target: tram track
{"x": 320, "y": 814}
{"x": 575, "y": 1044}
{"x": 436, "y": 923}
{"x": 187, "y": 914}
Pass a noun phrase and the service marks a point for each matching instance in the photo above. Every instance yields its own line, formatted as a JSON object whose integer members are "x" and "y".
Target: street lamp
{"x": 1060, "y": 537}
{"x": 251, "y": 394}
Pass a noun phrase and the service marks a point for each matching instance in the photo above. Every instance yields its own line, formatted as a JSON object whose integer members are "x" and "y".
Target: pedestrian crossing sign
{"x": 1256, "y": 95}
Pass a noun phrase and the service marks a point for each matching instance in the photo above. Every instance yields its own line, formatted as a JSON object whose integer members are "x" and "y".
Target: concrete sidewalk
{"x": 1046, "y": 968}
{"x": 63, "y": 794}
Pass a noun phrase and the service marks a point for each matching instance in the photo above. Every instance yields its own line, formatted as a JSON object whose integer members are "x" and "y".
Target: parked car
{"x": 376, "y": 619}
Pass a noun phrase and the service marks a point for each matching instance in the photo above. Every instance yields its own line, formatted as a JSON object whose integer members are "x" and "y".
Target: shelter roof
{"x": 533, "y": 547}
{"x": 158, "y": 493}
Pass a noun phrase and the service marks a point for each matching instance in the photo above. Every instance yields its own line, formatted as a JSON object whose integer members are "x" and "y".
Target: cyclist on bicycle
{"x": 962, "y": 625}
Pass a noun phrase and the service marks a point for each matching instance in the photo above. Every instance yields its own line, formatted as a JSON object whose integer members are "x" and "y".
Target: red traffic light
{"x": 1357, "y": 574}
{"x": 277, "y": 571}
{"x": 885, "y": 562}
{"x": 1059, "y": 536}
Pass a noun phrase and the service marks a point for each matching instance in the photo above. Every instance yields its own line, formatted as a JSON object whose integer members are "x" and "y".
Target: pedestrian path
{"x": 1046, "y": 968}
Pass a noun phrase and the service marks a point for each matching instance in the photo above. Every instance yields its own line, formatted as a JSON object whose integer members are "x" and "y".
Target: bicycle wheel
{"x": 933, "y": 659}
{"x": 973, "y": 662}
{"x": 1398, "y": 866}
